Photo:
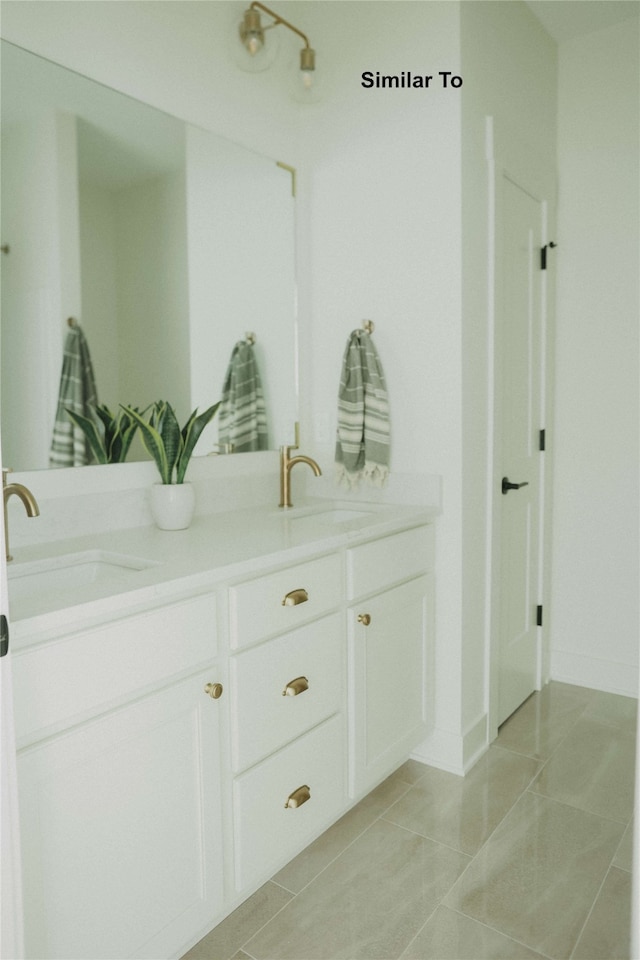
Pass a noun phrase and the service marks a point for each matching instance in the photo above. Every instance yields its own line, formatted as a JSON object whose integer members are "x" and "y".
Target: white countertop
{"x": 217, "y": 546}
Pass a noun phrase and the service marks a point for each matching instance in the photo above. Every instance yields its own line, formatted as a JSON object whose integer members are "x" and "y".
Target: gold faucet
{"x": 286, "y": 464}
{"x": 28, "y": 499}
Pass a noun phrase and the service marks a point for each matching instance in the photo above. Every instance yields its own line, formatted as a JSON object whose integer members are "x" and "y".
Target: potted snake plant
{"x": 171, "y": 447}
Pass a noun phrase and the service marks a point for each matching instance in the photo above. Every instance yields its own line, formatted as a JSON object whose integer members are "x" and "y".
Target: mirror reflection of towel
{"x": 363, "y": 438}
{"x": 69, "y": 444}
{"x": 242, "y": 421}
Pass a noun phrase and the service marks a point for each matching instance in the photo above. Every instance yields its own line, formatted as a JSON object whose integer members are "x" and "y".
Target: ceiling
{"x": 564, "y": 19}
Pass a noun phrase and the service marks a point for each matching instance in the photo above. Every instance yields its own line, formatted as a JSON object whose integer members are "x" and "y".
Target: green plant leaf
{"x": 153, "y": 442}
{"x": 126, "y": 433}
{"x": 169, "y": 430}
{"x": 110, "y": 425}
{"x": 92, "y": 433}
{"x": 190, "y": 435}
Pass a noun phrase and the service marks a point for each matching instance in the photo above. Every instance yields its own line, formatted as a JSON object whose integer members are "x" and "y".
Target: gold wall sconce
{"x": 252, "y": 34}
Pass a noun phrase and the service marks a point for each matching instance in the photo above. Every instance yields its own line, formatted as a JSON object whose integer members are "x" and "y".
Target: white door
{"x": 519, "y": 352}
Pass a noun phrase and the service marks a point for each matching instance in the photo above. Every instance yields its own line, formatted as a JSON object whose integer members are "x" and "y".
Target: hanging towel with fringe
{"x": 69, "y": 445}
{"x": 363, "y": 438}
{"x": 242, "y": 421}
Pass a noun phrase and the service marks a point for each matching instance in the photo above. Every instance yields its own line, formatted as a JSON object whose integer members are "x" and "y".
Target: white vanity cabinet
{"x": 390, "y": 587}
{"x": 121, "y": 812}
{"x": 287, "y": 689}
{"x": 174, "y": 757}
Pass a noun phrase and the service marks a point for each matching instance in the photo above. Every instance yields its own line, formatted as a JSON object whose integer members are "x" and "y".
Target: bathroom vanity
{"x": 203, "y": 707}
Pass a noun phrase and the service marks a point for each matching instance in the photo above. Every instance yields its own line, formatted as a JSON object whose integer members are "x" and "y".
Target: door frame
{"x": 508, "y": 155}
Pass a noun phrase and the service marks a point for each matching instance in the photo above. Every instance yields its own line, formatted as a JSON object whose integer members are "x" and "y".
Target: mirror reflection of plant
{"x": 109, "y": 434}
{"x": 170, "y": 446}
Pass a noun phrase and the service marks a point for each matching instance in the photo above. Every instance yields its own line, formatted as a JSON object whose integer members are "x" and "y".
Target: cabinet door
{"x": 121, "y": 832}
{"x": 389, "y": 649}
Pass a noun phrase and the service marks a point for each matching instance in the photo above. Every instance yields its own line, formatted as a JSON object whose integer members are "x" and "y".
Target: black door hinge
{"x": 539, "y": 615}
{"x": 543, "y": 254}
{"x": 542, "y": 441}
{"x": 4, "y": 636}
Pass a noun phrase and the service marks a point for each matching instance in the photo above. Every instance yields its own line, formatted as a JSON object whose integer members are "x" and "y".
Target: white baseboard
{"x": 453, "y": 752}
{"x": 585, "y": 671}
{"x": 443, "y": 750}
{"x": 475, "y": 741}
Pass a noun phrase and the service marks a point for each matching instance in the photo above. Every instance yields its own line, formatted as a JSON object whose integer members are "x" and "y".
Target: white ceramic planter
{"x": 172, "y": 505}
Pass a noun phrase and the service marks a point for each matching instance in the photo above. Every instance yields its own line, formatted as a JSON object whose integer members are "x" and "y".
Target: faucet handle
{"x": 296, "y": 432}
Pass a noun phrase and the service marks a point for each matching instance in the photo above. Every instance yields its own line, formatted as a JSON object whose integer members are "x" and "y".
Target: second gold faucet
{"x": 287, "y": 462}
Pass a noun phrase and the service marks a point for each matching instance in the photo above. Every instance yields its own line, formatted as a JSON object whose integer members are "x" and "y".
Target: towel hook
{"x": 72, "y": 322}
{"x": 250, "y": 337}
{"x": 368, "y": 325}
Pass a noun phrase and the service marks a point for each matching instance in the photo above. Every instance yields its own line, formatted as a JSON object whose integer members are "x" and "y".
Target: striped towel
{"x": 242, "y": 421}
{"x": 69, "y": 445}
{"x": 362, "y": 445}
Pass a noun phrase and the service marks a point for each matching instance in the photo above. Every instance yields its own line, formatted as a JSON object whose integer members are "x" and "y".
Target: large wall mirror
{"x": 166, "y": 243}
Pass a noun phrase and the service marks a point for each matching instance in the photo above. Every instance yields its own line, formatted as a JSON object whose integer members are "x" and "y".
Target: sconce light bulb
{"x": 251, "y": 32}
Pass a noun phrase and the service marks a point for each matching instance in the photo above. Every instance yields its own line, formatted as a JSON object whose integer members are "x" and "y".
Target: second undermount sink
{"x": 335, "y": 515}
{"x": 72, "y": 570}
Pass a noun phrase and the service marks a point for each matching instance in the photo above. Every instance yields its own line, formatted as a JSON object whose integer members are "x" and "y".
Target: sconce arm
{"x": 280, "y": 20}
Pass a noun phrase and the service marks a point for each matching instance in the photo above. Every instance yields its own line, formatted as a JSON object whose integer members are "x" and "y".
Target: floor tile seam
{"x": 243, "y": 946}
{"x": 356, "y": 837}
{"x": 426, "y": 836}
{"x": 523, "y": 791}
{"x": 617, "y": 725}
{"x": 526, "y": 789}
{"x": 516, "y": 753}
{"x": 483, "y": 923}
{"x": 572, "y": 725}
{"x": 572, "y": 806}
{"x": 591, "y": 909}
{"x": 418, "y": 932}
{"x": 329, "y": 863}
{"x": 616, "y": 730}
{"x": 542, "y": 762}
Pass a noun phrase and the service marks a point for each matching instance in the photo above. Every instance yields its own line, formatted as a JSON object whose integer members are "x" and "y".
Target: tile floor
{"x": 528, "y": 856}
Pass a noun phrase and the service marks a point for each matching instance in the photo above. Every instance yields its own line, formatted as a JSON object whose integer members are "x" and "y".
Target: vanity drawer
{"x": 257, "y": 608}
{"x": 376, "y": 565}
{"x": 264, "y": 716}
{"x": 266, "y": 832}
{"x": 76, "y": 676}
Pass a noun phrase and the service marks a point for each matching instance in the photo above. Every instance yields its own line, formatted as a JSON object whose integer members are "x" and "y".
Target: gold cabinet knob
{"x": 298, "y": 797}
{"x": 294, "y": 597}
{"x": 294, "y": 687}
{"x": 364, "y": 619}
{"x": 214, "y": 690}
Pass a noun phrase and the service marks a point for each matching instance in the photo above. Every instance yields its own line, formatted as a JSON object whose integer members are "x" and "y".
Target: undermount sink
{"x": 72, "y": 570}
{"x": 334, "y": 515}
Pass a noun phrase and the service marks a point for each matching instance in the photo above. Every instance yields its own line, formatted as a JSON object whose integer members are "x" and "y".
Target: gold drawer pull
{"x": 214, "y": 690}
{"x": 298, "y": 797}
{"x": 364, "y": 619}
{"x": 294, "y": 597}
{"x": 294, "y": 687}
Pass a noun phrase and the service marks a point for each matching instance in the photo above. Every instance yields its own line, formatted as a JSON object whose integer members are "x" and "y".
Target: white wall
{"x": 31, "y": 332}
{"x": 99, "y": 287}
{"x": 384, "y": 223}
{"x": 153, "y": 298}
{"x": 595, "y": 540}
